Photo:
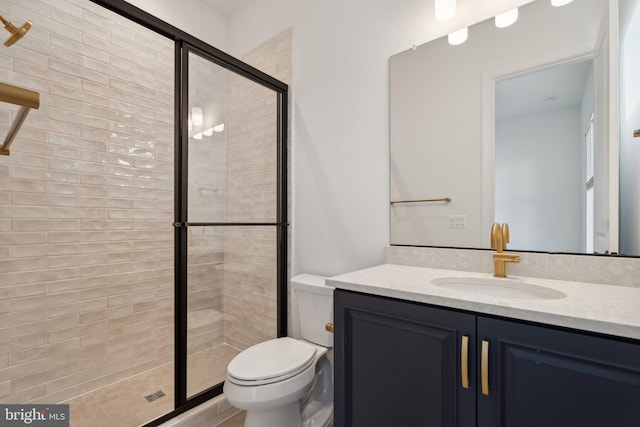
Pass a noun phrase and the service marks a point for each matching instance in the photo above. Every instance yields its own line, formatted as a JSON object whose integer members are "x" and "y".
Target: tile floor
{"x": 235, "y": 421}
{"x": 123, "y": 404}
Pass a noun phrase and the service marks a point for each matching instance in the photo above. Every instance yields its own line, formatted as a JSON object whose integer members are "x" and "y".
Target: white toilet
{"x": 288, "y": 382}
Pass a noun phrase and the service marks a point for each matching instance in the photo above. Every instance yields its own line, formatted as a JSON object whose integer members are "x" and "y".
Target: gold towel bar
{"x": 445, "y": 199}
{"x": 27, "y": 99}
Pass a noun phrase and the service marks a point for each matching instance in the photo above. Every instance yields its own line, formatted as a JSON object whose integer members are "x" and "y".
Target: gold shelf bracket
{"x": 27, "y": 100}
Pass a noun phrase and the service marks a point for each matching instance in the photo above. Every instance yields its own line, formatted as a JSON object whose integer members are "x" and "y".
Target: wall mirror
{"x": 526, "y": 125}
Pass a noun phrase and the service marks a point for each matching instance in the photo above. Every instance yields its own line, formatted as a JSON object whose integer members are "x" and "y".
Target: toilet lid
{"x": 277, "y": 358}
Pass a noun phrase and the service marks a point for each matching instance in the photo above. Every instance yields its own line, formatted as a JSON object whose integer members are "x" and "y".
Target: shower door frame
{"x": 184, "y": 44}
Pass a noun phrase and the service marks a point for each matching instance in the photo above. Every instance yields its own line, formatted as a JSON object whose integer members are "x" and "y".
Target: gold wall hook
{"x": 16, "y": 32}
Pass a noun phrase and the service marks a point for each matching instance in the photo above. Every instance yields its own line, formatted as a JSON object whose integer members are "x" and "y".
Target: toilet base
{"x": 283, "y": 416}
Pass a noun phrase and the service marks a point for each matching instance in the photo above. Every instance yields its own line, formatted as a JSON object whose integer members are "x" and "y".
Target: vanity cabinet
{"x": 396, "y": 364}
{"x": 400, "y": 363}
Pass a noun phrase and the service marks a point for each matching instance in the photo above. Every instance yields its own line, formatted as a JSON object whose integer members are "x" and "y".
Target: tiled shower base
{"x": 123, "y": 404}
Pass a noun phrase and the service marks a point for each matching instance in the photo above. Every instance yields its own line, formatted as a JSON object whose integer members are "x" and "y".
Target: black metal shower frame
{"x": 185, "y": 44}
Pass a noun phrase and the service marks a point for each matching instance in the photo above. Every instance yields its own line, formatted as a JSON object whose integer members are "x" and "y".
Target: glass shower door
{"x": 231, "y": 232}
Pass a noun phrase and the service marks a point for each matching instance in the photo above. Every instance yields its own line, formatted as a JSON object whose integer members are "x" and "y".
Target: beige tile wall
{"x": 206, "y": 203}
{"x": 86, "y": 243}
{"x": 250, "y": 255}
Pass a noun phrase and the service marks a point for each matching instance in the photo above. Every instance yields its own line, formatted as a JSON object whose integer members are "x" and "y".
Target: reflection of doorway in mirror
{"x": 589, "y": 139}
{"x": 539, "y": 156}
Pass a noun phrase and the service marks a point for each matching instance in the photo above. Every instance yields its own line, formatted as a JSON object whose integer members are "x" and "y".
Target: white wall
{"x": 341, "y": 123}
{"x": 256, "y": 22}
{"x": 191, "y": 16}
{"x": 629, "y": 120}
{"x": 544, "y": 211}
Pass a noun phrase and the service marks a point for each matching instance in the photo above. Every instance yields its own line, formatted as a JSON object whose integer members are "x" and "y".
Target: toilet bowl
{"x": 287, "y": 382}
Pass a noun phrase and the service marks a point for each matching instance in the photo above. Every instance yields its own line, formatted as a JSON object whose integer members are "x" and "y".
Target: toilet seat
{"x": 271, "y": 361}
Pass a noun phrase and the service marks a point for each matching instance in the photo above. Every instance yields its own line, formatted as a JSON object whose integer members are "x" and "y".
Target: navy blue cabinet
{"x": 399, "y": 363}
{"x": 539, "y": 376}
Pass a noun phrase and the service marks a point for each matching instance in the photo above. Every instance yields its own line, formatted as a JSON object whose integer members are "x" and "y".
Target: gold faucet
{"x": 499, "y": 240}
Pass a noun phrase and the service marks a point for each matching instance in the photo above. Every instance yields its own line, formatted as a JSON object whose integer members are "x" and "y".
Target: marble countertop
{"x": 607, "y": 309}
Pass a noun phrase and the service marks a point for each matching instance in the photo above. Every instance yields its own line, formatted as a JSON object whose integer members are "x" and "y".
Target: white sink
{"x": 499, "y": 288}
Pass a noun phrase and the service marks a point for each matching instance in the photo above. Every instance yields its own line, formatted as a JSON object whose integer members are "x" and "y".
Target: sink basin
{"x": 499, "y": 288}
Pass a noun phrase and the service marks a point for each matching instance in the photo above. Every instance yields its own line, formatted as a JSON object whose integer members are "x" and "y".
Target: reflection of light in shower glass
{"x": 207, "y": 132}
{"x": 196, "y": 116}
{"x": 507, "y": 18}
{"x": 219, "y": 128}
{"x": 458, "y": 37}
{"x": 630, "y": 85}
{"x": 558, "y": 3}
{"x": 190, "y": 124}
{"x": 198, "y": 136}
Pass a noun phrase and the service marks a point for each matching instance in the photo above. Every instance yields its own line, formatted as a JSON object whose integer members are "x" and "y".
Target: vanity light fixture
{"x": 198, "y": 136}
{"x": 507, "y": 18}
{"x": 558, "y": 3}
{"x": 207, "y": 132}
{"x": 458, "y": 37}
{"x": 219, "y": 128}
{"x": 445, "y": 9}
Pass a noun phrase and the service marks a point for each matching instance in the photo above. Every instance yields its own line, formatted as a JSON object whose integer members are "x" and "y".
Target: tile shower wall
{"x": 250, "y": 256}
{"x": 86, "y": 246}
{"x": 207, "y": 203}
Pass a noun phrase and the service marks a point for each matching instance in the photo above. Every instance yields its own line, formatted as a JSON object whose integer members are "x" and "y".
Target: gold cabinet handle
{"x": 484, "y": 367}
{"x": 464, "y": 361}
{"x": 328, "y": 327}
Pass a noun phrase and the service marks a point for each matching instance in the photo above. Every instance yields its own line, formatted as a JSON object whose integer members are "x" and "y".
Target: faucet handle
{"x": 505, "y": 235}
{"x": 496, "y": 237}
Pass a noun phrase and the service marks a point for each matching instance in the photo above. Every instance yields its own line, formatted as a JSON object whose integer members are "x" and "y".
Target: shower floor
{"x": 123, "y": 404}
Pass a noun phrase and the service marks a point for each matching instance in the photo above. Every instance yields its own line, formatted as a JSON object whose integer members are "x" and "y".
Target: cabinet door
{"x": 399, "y": 364}
{"x": 554, "y": 378}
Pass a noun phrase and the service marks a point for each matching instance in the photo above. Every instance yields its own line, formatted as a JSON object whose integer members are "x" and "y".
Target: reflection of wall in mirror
{"x": 539, "y": 156}
{"x": 436, "y": 118}
{"x": 629, "y": 121}
{"x": 538, "y": 180}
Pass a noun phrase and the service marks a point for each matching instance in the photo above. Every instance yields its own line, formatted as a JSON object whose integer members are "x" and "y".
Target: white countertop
{"x": 613, "y": 310}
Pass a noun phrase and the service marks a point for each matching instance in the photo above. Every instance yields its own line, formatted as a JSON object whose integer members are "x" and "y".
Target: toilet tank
{"x": 313, "y": 308}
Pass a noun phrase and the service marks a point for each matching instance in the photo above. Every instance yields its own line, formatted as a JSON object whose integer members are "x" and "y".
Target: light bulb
{"x": 207, "y": 132}
{"x": 458, "y": 37}
{"x": 445, "y": 9}
{"x": 558, "y": 3}
{"x": 219, "y": 128}
{"x": 507, "y": 18}
{"x": 196, "y": 116}
{"x": 198, "y": 136}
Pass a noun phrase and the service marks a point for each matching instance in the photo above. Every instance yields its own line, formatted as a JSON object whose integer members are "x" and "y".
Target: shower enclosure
{"x": 142, "y": 215}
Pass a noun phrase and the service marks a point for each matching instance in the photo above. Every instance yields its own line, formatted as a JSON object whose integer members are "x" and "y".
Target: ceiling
{"x": 553, "y": 87}
{"x": 225, "y": 7}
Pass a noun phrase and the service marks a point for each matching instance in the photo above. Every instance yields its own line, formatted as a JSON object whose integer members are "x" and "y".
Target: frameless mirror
{"x": 518, "y": 125}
